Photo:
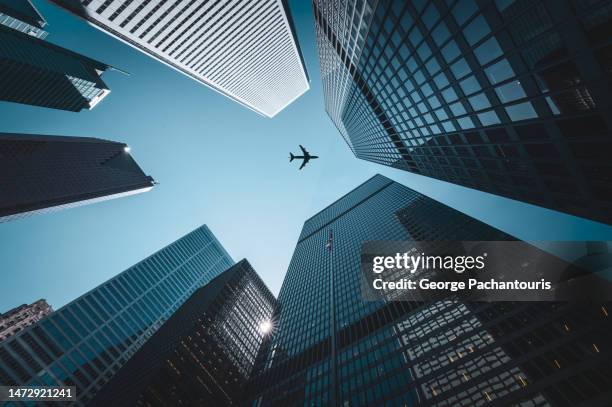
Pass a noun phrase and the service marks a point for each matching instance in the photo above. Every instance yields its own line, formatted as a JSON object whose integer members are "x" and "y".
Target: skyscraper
{"x": 22, "y": 16}
{"x": 86, "y": 342}
{"x": 36, "y": 72}
{"x": 203, "y": 355}
{"x": 40, "y": 173}
{"x": 247, "y": 51}
{"x": 19, "y": 318}
{"x": 334, "y": 347}
{"x": 508, "y": 97}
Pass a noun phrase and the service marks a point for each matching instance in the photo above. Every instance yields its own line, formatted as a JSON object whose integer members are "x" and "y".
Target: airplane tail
{"x": 291, "y": 157}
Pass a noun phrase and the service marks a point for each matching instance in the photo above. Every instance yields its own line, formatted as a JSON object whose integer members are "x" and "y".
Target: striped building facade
{"x": 84, "y": 343}
{"x": 246, "y": 50}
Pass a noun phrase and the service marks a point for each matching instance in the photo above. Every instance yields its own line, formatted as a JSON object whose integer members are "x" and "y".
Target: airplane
{"x": 306, "y": 156}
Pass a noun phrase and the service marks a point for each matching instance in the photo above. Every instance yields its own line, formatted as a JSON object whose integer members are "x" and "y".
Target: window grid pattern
{"x": 85, "y": 343}
{"x": 245, "y": 49}
{"x": 400, "y": 353}
{"x": 511, "y": 98}
{"x": 39, "y": 73}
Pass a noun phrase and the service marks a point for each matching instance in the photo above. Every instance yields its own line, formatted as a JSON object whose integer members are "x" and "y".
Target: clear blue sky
{"x": 217, "y": 163}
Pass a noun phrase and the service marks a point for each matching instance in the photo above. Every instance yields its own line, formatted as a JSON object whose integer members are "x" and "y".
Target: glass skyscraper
{"x": 40, "y": 173}
{"x": 511, "y": 97}
{"x": 204, "y": 354}
{"x": 86, "y": 342}
{"x": 22, "y": 16}
{"x": 245, "y": 50}
{"x": 333, "y": 347}
{"x": 36, "y": 72}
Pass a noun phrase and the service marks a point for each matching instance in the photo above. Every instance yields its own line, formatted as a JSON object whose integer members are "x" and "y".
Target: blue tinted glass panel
{"x": 488, "y": 118}
{"x": 488, "y": 51}
{"x": 460, "y": 68}
{"x": 448, "y": 126}
{"x": 415, "y": 37}
{"x": 424, "y": 51}
{"x": 476, "y": 30}
{"x": 464, "y": 10}
{"x": 499, "y": 72}
{"x": 441, "y": 80}
{"x": 510, "y": 92}
{"x": 441, "y": 114}
{"x": 457, "y": 109}
{"x": 449, "y": 95}
{"x": 470, "y": 85}
{"x": 430, "y": 16}
{"x": 450, "y": 51}
{"x": 521, "y": 111}
{"x": 434, "y": 102}
{"x": 432, "y": 66}
{"x": 479, "y": 102}
{"x": 440, "y": 34}
{"x": 466, "y": 123}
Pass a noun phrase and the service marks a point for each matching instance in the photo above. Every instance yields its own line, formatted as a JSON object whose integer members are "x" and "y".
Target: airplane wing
{"x": 303, "y": 150}
{"x": 304, "y": 162}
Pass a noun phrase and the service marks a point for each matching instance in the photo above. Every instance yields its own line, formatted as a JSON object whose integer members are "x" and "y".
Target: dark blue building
{"x": 334, "y": 347}
{"x": 87, "y": 341}
{"x": 40, "y": 173}
{"x": 511, "y": 97}
{"x": 22, "y": 16}
{"x": 36, "y": 72}
{"x": 204, "y": 354}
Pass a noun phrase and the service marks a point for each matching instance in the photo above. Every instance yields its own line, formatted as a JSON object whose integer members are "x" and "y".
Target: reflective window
{"x": 464, "y": 10}
{"x": 499, "y": 72}
{"x": 449, "y": 95}
{"x": 406, "y": 21}
{"x": 430, "y": 16}
{"x": 466, "y": 123}
{"x": 415, "y": 37}
{"x": 441, "y": 80}
{"x": 457, "y": 109}
{"x": 432, "y": 66}
{"x": 441, "y": 114}
{"x": 488, "y": 51}
{"x": 510, "y": 92}
{"x": 419, "y": 77}
{"x": 434, "y": 102}
{"x": 476, "y": 30}
{"x": 488, "y": 118}
{"x": 440, "y": 34}
{"x": 460, "y": 68}
{"x": 521, "y": 111}
{"x": 450, "y": 51}
{"x": 479, "y": 102}
{"x": 470, "y": 85}
{"x": 448, "y": 126}
{"x": 424, "y": 51}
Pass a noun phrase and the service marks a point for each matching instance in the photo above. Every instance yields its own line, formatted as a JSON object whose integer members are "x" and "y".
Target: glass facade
{"x": 509, "y": 97}
{"x": 84, "y": 343}
{"x": 204, "y": 354}
{"x": 22, "y": 16}
{"x": 40, "y": 173}
{"x": 333, "y": 347}
{"x": 36, "y": 72}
